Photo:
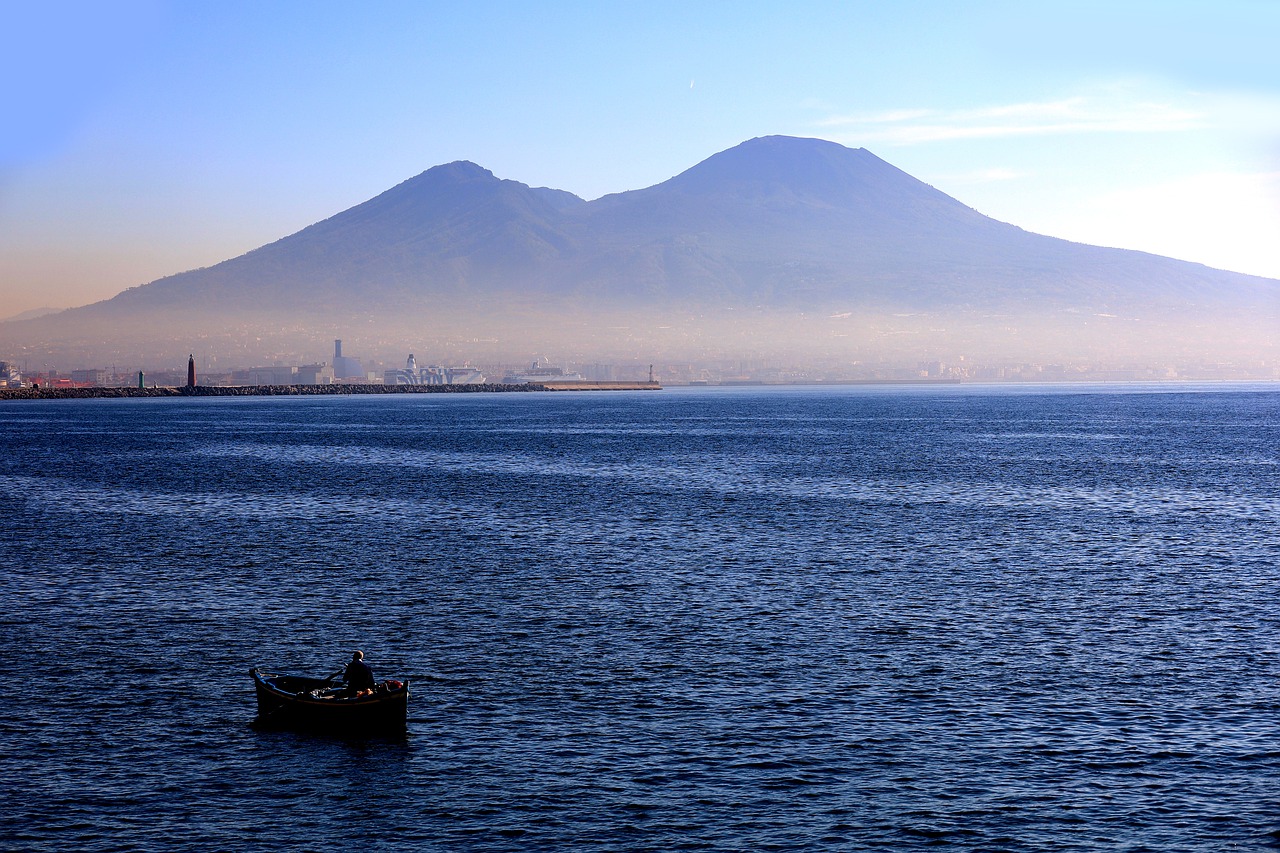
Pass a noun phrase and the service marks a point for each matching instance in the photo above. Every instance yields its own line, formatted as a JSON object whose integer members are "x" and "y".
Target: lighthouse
{"x": 191, "y": 371}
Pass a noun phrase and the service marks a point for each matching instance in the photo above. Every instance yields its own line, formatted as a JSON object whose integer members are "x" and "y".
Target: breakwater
{"x": 300, "y": 390}
{"x": 598, "y": 385}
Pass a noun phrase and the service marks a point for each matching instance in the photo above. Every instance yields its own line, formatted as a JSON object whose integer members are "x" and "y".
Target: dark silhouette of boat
{"x": 320, "y": 704}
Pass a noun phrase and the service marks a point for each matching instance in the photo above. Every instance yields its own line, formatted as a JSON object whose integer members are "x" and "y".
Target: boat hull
{"x": 286, "y": 702}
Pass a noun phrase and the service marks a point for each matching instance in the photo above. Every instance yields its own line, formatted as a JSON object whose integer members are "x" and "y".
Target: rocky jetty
{"x": 254, "y": 391}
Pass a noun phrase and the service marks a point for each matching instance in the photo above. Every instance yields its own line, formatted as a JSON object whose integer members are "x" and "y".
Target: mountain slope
{"x": 775, "y": 221}
{"x": 451, "y": 229}
{"x": 808, "y": 223}
{"x": 776, "y": 225}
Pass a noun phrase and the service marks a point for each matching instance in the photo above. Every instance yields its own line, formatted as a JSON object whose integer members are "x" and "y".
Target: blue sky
{"x": 145, "y": 138}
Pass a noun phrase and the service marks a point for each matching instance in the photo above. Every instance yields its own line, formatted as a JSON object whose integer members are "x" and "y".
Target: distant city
{"x": 345, "y": 368}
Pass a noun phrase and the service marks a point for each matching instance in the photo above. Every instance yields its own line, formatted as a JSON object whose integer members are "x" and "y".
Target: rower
{"x": 358, "y": 675}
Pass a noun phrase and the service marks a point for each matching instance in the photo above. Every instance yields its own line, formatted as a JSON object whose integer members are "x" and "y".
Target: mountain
{"x": 447, "y": 230}
{"x": 31, "y": 315}
{"x": 808, "y": 223}
{"x": 777, "y": 226}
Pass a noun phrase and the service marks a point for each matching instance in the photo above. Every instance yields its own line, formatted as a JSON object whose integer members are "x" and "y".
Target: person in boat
{"x": 358, "y": 675}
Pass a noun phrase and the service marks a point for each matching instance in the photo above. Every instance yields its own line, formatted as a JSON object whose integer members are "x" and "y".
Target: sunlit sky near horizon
{"x": 141, "y": 139}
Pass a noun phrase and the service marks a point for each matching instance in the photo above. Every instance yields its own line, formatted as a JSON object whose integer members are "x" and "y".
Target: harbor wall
{"x": 303, "y": 390}
{"x": 602, "y": 385}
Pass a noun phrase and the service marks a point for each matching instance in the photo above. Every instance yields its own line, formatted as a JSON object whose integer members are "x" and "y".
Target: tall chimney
{"x": 191, "y": 371}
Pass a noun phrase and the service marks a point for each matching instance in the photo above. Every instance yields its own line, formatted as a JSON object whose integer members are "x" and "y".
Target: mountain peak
{"x": 447, "y": 184}
{"x": 463, "y": 169}
{"x": 811, "y": 170}
{"x": 457, "y": 172}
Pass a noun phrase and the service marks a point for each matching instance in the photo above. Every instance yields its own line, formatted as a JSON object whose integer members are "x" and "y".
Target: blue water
{"x": 712, "y": 619}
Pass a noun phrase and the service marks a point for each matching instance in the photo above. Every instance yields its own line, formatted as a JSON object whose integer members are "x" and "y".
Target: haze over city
{"x": 159, "y": 139}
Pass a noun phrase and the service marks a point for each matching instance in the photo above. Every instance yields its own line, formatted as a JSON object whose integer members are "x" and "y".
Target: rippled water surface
{"x": 712, "y": 619}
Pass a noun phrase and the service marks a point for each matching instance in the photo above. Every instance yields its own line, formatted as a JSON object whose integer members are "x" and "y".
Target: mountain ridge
{"x": 729, "y": 227}
{"x": 776, "y": 223}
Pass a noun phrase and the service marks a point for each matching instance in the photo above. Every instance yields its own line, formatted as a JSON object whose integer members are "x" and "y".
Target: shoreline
{"x": 311, "y": 390}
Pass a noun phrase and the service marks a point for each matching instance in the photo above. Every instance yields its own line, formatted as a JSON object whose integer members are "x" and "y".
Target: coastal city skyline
{"x": 738, "y": 371}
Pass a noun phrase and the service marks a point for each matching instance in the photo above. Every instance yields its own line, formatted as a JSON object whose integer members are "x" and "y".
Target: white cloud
{"x": 1113, "y": 111}
{"x": 1222, "y": 219}
{"x": 1203, "y": 187}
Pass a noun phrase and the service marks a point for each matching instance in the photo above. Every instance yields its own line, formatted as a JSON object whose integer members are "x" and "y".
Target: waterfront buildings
{"x": 412, "y": 374}
{"x": 345, "y": 367}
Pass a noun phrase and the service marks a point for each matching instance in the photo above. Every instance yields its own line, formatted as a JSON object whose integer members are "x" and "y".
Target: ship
{"x": 412, "y": 374}
{"x": 537, "y": 373}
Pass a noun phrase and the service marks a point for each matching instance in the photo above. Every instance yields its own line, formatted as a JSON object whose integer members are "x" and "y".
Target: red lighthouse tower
{"x": 191, "y": 371}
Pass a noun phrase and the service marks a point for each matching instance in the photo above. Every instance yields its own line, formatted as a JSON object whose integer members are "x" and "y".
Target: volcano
{"x": 779, "y": 227}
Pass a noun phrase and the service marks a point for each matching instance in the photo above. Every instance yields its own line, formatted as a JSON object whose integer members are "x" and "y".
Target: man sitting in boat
{"x": 358, "y": 676}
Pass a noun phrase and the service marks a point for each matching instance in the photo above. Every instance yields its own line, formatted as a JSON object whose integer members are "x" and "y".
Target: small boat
{"x": 321, "y": 704}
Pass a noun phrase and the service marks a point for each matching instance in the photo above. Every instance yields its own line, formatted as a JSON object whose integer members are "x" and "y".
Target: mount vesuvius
{"x": 780, "y": 242}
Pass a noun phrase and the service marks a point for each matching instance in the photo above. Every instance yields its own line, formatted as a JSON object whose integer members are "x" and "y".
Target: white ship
{"x": 433, "y": 375}
{"x": 537, "y": 373}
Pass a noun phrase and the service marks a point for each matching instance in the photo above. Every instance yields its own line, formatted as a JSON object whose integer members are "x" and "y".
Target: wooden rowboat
{"x": 299, "y": 702}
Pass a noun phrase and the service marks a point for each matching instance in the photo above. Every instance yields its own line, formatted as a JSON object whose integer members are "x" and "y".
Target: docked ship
{"x": 537, "y": 373}
{"x": 412, "y": 374}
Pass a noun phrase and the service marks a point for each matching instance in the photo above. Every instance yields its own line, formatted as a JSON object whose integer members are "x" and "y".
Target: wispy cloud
{"x": 1079, "y": 114}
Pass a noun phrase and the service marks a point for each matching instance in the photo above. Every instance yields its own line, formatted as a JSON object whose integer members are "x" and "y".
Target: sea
{"x": 979, "y": 618}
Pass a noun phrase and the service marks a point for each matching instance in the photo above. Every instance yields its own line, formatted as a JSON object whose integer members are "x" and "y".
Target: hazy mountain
{"x": 31, "y": 314}
{"x": 807, "y": 223}
{"x": 778, "y": 226}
